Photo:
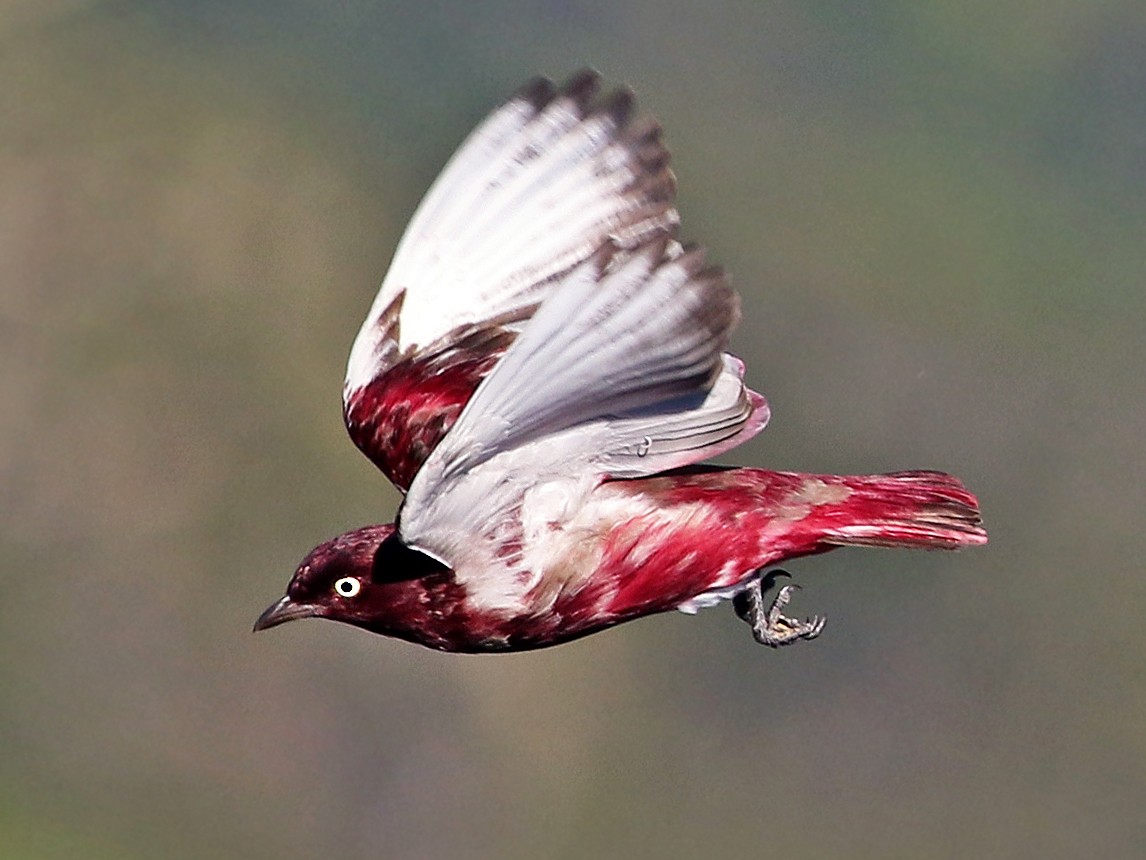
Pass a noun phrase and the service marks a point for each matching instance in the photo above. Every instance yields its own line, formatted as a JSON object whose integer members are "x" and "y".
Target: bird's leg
{"x": 769, "y": 626}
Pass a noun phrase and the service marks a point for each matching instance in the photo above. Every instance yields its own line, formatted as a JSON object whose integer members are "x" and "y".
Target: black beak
{"x": 283, "y": 611}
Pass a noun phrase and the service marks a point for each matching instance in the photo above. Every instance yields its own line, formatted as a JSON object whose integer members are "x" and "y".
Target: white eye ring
{"x": 348, "y": 586}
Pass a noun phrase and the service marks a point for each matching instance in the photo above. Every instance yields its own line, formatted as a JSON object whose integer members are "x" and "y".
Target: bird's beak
{"x": 282, "y": 611}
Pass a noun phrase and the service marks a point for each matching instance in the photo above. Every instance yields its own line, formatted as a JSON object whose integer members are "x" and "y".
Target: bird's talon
{"x": 771, "y": 627}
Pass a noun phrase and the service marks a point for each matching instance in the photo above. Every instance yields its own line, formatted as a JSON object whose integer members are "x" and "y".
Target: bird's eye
{"x": 348, "y": 586}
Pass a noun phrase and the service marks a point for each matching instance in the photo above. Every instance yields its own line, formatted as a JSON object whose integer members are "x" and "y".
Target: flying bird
{"x": 541, "y": 374}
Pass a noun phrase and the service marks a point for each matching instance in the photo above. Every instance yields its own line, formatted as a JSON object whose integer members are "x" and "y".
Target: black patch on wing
{"x": 396, "y": 562}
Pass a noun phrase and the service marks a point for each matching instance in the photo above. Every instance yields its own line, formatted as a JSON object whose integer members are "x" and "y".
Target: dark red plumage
{"x": 399, "y": 418}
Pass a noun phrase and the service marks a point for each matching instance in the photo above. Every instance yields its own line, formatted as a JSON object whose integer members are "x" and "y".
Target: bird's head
{"x": 365, "y": 577}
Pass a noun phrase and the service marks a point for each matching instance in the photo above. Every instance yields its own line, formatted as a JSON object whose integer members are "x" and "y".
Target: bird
{"x": 542, "y": 375}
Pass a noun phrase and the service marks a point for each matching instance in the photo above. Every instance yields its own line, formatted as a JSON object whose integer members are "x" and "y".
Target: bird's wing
{"x": 535, "y": 191}
{"x": 620, "y": 373}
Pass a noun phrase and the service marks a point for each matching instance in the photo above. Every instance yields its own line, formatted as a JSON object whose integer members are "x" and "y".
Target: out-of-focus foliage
{"x": 935, "y": 214}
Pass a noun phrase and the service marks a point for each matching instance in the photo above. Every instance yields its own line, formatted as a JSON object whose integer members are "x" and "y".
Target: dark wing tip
{"x": 582, "y": 86}
{"x": 619, "y": 105}
{"x": 644, "y": 132}
{"x": 640, "y": 133}
{"x": 538, "y": 92}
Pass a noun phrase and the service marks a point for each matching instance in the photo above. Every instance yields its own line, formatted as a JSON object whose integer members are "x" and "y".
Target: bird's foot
{"x": 770, "y": 626}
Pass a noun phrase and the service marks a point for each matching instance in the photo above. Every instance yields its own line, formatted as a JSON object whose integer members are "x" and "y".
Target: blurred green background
{"x": 935, "y": 214}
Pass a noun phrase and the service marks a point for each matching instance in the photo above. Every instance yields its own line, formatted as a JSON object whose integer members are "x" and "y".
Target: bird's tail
{"x": 921, "y": 510}
{"x": 712, "y": 529}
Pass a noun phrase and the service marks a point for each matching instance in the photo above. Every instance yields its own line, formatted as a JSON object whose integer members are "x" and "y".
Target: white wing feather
{"x": 534, "y": 191}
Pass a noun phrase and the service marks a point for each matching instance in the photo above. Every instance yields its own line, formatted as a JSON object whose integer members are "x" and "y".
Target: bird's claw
{"x": 770, "y": 626}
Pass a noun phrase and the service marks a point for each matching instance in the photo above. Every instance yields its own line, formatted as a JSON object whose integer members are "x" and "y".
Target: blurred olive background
{"x": 935, "y": 214}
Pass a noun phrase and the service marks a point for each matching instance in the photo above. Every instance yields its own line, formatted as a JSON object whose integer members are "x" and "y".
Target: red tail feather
{"x": 926, "y": 510}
